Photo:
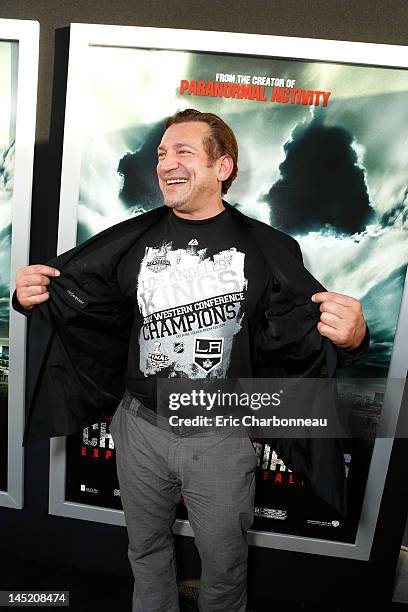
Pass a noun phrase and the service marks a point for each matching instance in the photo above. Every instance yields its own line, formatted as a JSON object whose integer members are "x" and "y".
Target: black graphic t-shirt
{"x": 195, "y": 286}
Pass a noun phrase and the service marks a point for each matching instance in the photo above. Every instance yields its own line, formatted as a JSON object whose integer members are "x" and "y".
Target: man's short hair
{"x": 221, "y": 140}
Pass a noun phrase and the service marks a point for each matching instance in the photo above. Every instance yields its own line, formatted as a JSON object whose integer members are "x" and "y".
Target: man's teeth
{"x": 173, "y": 181}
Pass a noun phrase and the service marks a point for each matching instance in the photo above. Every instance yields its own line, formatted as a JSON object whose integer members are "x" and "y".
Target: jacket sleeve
{"x": 18, "y": 307}
{"x": 348, "y": 358}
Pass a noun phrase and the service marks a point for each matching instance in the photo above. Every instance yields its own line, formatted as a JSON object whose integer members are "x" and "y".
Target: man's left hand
{"x": 342, "y": 319}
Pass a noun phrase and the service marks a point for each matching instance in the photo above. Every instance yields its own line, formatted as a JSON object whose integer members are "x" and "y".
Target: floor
{"x": 101, "y": 592}
{"x": 401, "y": 578}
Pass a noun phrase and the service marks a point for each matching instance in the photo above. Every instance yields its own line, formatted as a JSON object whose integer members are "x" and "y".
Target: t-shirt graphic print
{"x": 195, "y": 288}
{"x": 193, "y": 337}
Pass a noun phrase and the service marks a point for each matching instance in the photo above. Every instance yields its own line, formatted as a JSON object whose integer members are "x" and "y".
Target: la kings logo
{"x": 208, "y": 352}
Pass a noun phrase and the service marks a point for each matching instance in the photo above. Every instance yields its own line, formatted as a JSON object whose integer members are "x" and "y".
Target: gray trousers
{"x": 215, "y": 472}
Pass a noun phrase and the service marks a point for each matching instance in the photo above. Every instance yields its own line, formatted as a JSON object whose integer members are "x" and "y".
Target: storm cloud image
{"x": 335, "y": 178}
{"x": 322, "y": 184}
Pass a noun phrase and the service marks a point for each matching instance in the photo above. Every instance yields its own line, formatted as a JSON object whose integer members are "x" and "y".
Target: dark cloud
{"x": 138, "y": 169}
{"x": 321, "y": 183}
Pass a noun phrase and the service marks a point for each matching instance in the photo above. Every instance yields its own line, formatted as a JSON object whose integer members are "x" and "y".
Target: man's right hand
{"x": 31, "y": 284}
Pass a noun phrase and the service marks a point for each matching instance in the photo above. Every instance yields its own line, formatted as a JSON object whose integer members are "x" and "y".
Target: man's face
{"x": 188, "y": 179}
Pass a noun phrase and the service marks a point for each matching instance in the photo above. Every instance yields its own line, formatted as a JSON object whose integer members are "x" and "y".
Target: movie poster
{"x": 7, "y": 134}
{"x": 322, "y": 157}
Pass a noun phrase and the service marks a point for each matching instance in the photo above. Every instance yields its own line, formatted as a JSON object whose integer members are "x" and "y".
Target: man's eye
{"x": 184, "y": 151}
{"x": 160, "y": 156}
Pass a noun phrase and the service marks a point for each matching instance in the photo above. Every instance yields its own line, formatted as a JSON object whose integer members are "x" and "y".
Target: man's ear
{"x": 225, "y": 167}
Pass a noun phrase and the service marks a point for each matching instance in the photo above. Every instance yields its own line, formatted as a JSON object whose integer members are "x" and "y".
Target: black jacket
{"x": 78, "y": 341}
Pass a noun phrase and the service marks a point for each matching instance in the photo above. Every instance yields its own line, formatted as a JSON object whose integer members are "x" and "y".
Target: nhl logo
{"x": 208, "y": 352}
{"x": 158, "y": 359}
{"x": 178, "y": 347}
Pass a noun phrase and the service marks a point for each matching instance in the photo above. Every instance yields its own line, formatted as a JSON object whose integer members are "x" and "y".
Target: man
{"x": 214, "y": 294}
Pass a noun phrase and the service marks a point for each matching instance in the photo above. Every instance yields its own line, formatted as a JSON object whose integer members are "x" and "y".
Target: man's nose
{"x": 170, "y": 162}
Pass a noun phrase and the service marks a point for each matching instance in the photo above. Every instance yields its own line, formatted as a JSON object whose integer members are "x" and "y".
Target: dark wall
{"x": 33, "y": 534}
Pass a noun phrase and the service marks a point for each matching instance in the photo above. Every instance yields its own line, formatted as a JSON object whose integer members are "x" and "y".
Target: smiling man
{"x": 190, "y": 171}
{"x": 213, "y": 294}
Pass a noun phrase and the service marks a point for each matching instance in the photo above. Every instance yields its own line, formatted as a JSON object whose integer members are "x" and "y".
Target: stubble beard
{"x": 177, "y": 204}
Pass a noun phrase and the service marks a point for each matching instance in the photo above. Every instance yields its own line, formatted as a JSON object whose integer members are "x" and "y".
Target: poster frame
{"x": 26, "y": 34}
{"x": 82, "y": 36}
